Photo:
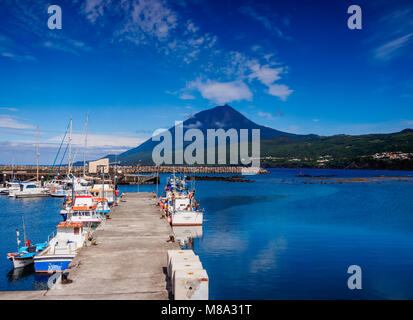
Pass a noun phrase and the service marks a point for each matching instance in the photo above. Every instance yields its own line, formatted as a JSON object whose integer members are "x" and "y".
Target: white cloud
{"x": 389, "y": 49}
{"x": 67, "y": 45}
{"x": 265, "y": 74}
{"x": 191, "y": 27}
{"x": 222, "y": 92}
{"x": 94, "y": 9}
{"x": 18, "y": 57}
{"x": 280, "y": 90}
{"x": 186, "y": 96}
{"x": 9, "y": 109}
{"x": 7, "y": 121}
{"x": 266, "y": 20}
{"x": 102, "y": 140}
{"x": 265, "y": 115}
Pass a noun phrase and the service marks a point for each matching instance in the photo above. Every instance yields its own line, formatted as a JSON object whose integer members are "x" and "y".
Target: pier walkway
{"x": 127, "y": 262}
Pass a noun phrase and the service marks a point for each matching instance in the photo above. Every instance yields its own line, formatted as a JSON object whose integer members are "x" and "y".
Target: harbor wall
{"x": 125, "y": 174}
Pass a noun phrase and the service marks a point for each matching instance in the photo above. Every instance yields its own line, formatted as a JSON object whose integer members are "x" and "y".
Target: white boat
{"x": 85, "y": 210}
{"x": 188, "y": 217}
{"x": 29, "y": 190}
{"x": 10, "y": 186}
{"x": 61, "y": 249}
{"x": 104, "y": 191}
{"x": 102, "y": 206}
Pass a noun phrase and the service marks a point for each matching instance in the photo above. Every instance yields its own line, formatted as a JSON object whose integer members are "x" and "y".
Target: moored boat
{"x": 187, "y": 217}
{"x": 26, "y": 254}
{"x": 61, "y": 249}
{"x": 29, "y": 190}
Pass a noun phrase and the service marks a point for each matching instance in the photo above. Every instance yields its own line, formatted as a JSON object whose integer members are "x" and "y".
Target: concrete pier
{"x": 128, "y": 260}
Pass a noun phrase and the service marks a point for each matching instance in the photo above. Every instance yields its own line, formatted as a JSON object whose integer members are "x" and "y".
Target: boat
{"x": 29, "y": 190}
{"x": 104, "y": 191}
{"x": 187, "y": 217}
{"x": 85, "y": 210}
{"x": 25, "y": 255}
{"x": 62, "y": 248}
{"x": 179, "y": 204}
{"x": 102, "y": 206}
{"x": 10, "y": 186}
{"x": 89, "y": 207}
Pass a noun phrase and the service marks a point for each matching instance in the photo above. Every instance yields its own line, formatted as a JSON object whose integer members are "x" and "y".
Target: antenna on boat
{"x": 84, "y": 152}
{"x": 37, "y": 156}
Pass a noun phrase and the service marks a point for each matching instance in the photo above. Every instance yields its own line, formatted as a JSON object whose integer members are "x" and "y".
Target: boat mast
{"x": 24, "y": 231}
{"x": 37, "y": 155}
{"x": 18, "y": 240}
{"x": 12, "y": 168}
{"x": 70, "y": 147}
{"x": 84, "y": 152}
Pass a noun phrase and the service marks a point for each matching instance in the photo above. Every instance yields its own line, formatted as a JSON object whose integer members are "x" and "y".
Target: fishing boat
{"x": 102, "y": 205}
{"x": 104, "y": 191}
{"x": 85, "y": 210}
{"x": 61, "y": 249}
{"x": 26, "y": 254}
{"x": 187, "y": 217}
{"x": 29, "y": 190}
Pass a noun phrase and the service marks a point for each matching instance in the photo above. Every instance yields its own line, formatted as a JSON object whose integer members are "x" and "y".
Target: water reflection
{"x": 16, "y": 274}
{"x": 185, "y": 235}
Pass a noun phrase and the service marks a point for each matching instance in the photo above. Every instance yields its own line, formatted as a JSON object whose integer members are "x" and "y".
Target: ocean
{"x": 279, "y": 237}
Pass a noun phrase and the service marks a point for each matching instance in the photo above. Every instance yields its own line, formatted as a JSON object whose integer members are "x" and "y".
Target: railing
{"x": 51, "y": 236}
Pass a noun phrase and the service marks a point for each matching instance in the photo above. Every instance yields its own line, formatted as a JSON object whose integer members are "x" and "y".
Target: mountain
{"x": 221, "y": 117}
{"x": 282, "y": 149}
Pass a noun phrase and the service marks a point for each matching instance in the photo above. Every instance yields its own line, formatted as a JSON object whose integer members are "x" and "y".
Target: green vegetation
{"x": 339, "y": 151}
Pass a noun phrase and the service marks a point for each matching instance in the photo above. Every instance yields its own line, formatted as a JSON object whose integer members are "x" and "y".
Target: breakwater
{"x": 124, "y": 174}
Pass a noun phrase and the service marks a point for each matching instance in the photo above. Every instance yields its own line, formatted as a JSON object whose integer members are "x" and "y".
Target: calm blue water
{"x": 278, "y": 238}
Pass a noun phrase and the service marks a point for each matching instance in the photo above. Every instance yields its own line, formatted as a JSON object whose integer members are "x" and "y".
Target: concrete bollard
{"x": 191, "y": 285}
{"x": 180, "y": 258}
{"x": 184, "y": 265}
{"x": 172, "y": 253}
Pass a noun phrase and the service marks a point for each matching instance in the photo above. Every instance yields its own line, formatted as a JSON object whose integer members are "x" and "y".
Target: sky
{"x": 137, "y": 66}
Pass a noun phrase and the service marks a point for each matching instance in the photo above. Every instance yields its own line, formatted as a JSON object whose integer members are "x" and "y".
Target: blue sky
{"x": 136, "y": 66}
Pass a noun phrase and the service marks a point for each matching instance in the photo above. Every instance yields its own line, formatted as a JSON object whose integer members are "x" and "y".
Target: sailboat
{"x": 31, "y": 189}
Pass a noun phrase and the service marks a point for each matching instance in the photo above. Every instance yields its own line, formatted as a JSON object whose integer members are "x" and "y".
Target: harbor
{"x": 126, "y": 259}
{"x": 255, "y": 243}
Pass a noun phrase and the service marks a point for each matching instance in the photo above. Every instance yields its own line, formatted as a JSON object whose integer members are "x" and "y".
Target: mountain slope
{"x": 221, "y": 117}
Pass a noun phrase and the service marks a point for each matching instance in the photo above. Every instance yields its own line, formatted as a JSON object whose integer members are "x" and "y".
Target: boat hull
{"x": 187, "y": 218}
{"x": 29, "y": 195}
{"x": 21, "y": 262}
{"x": 52, "y": 263}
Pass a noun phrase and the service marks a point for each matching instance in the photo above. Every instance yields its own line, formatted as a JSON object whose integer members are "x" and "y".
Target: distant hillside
{"x": 344, "y": 151}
